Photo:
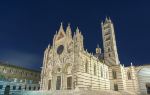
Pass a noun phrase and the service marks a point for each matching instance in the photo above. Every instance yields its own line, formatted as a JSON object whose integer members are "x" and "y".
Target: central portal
{"x": 7, "y": 90}
{"x": 58, "y": 83}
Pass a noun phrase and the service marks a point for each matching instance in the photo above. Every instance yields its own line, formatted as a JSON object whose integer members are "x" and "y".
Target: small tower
{"x": 109, "y": 43}
{"x": 78, "y": 38}
{"x": 68, "y": 31}
{"x": 98, "y": 50}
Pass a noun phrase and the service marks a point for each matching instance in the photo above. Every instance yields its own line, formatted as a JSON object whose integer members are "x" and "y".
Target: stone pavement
{"x": 74, "y": 92}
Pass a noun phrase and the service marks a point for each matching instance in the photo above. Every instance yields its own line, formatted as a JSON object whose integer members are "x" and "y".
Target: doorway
{"x": 148, "y": 88}
{"x": 115, "y": 87}
{"x": 58, "y": 83}
{"x": 49, "y": 84}
{"x": 69, "y": 83}
{"x": 7, "y": 90}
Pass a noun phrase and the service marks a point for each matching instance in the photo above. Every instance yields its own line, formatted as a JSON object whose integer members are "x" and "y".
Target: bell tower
{"x": 109, "y": 43}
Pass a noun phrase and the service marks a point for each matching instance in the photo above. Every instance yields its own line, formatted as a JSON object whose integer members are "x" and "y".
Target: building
{"x": 14, "y": 79}
{"x": 67, "y": 65}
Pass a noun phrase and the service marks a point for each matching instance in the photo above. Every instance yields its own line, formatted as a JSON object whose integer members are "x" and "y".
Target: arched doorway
{"x": 7, "y": 90}
{"x": 69, "y": 83}
{"x": 58, "y": 83}
{"x": 49, "y": 85}
{"x": 115, "y": 87}
{"x": 148, "y": 88}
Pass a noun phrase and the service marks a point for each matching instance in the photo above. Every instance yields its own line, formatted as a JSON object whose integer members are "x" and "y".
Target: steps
{"x": 74, "y": 92}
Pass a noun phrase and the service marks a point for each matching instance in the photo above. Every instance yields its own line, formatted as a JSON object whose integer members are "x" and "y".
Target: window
{"x": 14, "y": 87}
{"x": 1, "y": 86}
{"x": 114, "y": 74}
{"x": 106, "y": 74}
{"x": 108, "y": 49}
{"x": 19, "y": 88}
{"x": 69, "y": 83}
{"x": 34, "y": 88}
{"x": 129, "y": 75}
{"x": 109, "y": 55}
{"x": 101, "y": 71}
{"x": 94, "y": 69}
{"x": 148, "y": 88}
{"x": 49, "y": 84}
{"x": 58, "y": 83}
{"x": 29, "y": 87}
{"x": 25, "y": 87}
{"x": 115, "y": 87}
{"x": 59, "y": 69}
{"x": 86, "y": 67}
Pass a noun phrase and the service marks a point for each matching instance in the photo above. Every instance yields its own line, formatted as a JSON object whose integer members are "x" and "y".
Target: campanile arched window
{"x": 94, "y": 69}
{"x": 101, "y": 71}
{"x": 86, "y": 67}
{"x": 129, "y": 75}
{"x": 114, "y": 74}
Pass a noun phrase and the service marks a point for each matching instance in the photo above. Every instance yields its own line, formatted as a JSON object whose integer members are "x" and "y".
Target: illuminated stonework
{"x": 68, "y": 66}
{"x": 14, "y": 79}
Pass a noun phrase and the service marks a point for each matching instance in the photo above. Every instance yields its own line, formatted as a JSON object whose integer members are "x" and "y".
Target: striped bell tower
{"x": 109, "y": 43}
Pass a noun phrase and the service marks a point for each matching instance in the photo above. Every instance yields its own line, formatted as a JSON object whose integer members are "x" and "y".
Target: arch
{"x": 129, "y": 75}
{"x": 109, "y": 49}
{"x": 68, "y": 68}
{"x": 58, "y": 83}
{"x": 148, "y": 88}
{"x": 49, "y": 84}
{"x": 86, "y": 67}
{"x": 115, "y": 87}
{"x": 114, "y": 74}
{"x": 101, "y": 71}
{"x": 7, "y": 90}
{"x": 69, "y": 82}
{"x": 94, "y": 69}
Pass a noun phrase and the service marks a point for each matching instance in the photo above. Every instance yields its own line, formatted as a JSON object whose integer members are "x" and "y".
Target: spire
{"x": 68, "y": 31}
{"x": 98, "y": 50}
{"x": 131, "y": 64}
{"x": 110, "y": 49}
{"x": 102, "y": 23}
{"x": 56, "y": 32}
{"x": 49, "y": 46}
{"x": 77, "y": 31}
{"x": 68, "y": 25}
{"x": 61, "y": 27}
{"x": 107, "y": 19}
{"x": 68, "y": 28}
{"x": 97, "y": 45}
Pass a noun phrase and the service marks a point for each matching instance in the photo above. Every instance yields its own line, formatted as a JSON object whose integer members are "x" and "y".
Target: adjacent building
{"x": 14, "y": 79}
{"x": 67, "y": 65}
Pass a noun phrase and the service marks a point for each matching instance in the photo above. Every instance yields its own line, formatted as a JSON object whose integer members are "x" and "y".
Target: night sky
{"x": 27, "y": 27}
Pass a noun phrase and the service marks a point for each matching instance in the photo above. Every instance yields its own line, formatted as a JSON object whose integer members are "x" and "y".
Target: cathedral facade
{"x": 68, "y": 66}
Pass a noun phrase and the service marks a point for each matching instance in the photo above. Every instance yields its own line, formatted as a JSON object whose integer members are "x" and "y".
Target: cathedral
{"x": 67, "y": 65}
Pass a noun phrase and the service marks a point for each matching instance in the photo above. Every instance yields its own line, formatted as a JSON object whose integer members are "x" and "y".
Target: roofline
{"x": 19, "y": 67}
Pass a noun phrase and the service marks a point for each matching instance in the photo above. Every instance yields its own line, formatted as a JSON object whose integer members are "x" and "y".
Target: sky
{"x": 28, "y": 26}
